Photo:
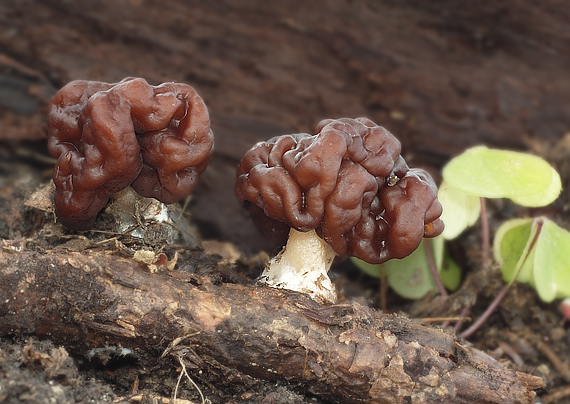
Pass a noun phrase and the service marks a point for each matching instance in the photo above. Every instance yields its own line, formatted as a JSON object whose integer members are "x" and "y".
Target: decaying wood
{"x": 346, "y": 353}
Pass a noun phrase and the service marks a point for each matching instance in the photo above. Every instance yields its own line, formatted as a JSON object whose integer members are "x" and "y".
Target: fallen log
{"x": 345, "y": 353}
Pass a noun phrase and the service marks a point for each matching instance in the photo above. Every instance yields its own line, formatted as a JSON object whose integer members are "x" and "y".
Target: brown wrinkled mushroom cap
{"x": 348, "y": 182}
{"x": 109, "y": 136}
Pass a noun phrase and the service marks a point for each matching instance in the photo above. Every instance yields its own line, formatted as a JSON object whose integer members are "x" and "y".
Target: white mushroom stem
{"x": 302, "y": 266}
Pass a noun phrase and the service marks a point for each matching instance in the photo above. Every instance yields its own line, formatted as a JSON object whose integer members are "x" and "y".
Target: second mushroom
{"x": 344, "y": 191}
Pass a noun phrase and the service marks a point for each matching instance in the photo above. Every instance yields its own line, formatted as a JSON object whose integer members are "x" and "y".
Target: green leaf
{"x": 551, "y": 264}
{"x": 535, "y": 251}
{"x": 460, "y": 210}
{"x": 450, "y": 273}
{"x": 543, "y": 198}
{"x": 411, "y": 277}
{"x": 511, "y": 240}
{"x": 437, "y": 245}
{"x": 492, "y": 173}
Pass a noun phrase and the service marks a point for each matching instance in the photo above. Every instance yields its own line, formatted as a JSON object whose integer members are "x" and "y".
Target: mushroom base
{"x": 302, "y": 266}
{"x": 148, "y": 218}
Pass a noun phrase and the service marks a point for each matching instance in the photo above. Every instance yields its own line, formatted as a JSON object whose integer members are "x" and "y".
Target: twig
{"x": 185, "y": 373}
{"x": 177, "y": 341}
{"x": 485, "y": 237}
{"x": 254, "y": 330}
{"x": 481, "y": 320}
{"x": 485, "y": 254}
{"x": 433, "y": 269}
{"x": 438, "y": 319}
{"x": 537, "y": 223}
{"x": 511, "y": 353}
{"x": 560, "y": 366}
{"x": 154, "y": 398}
{"x": 556, "y": 396}
{"x": 463, "y": 313}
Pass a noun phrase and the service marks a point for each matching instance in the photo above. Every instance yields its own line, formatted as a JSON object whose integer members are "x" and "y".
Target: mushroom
{"x": 344, "y": 191}
{"x": 106, "y": 137}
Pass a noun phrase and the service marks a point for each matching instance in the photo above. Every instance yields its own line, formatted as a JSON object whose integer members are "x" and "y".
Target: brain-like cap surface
{"x": 348, "y": 182}
{"x": 108, "y": 136}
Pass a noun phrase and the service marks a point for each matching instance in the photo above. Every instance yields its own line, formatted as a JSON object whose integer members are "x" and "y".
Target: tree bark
{"x": 345, "y": 353}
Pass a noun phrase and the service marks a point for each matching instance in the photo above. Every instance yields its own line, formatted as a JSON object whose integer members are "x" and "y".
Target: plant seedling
{"x": 534, "y": 251}
{"x": 489, "y": 173}
{"x": 565, "y": 308}
{"x": 528, "y": 181}
{"x": 529, "y": 250}
{"x": 480, "y": 172}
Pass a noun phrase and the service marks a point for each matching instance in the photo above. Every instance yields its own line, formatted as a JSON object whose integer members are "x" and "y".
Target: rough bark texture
{"x": 346, "y": 353}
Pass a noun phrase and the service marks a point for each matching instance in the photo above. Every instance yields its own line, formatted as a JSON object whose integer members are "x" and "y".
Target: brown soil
{"x": 440, "y": 75}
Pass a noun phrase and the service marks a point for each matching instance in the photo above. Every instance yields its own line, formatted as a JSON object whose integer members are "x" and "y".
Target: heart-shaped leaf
{"x": 460, "y": 210}
{"x": 535, "y": 251}
{"x": 491, "y": 173}
{"x": 551, "y": 265}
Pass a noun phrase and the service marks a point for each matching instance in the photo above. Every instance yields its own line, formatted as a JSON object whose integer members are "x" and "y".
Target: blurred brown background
{"x": 441, "y": 75}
